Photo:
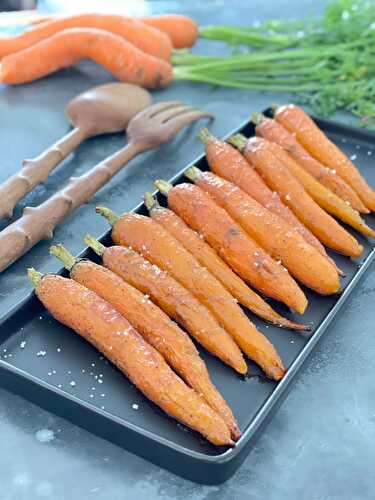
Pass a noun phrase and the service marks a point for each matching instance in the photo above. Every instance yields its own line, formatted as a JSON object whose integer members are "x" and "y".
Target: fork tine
{"x": 186, "y": 118}
{"x": 171, "y": 112}
{"x": 155, "y": 108}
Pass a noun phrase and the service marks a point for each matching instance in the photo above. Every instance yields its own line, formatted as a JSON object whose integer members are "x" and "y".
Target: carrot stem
{"x": 205, "y": 136}
{"x": 151, "y": 202}
{"x": 94, "y": 244}
{"x": 238, "y": 141}
{"x": 34, "y": 276}
{"x": 193, "y": 173}
{"x": 257, "y": 118}
{"x": 64, "y": 255}
{"x": 163, "y": 186}
{"x": 108, "y": 214}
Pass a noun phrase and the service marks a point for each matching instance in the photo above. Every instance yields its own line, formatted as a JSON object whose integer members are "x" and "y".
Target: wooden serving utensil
{"x": 101, "y": 110}
{"x": 149, "y": 129}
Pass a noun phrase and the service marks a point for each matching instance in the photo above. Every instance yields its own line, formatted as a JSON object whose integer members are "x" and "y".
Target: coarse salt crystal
{"x": 135, "y": 406}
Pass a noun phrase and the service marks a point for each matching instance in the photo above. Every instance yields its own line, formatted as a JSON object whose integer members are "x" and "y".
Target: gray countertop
{"x": 319, "y": 446}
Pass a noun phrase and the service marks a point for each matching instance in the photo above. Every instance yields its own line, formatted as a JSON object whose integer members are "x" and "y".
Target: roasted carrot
{"x": 103, "y": 326}
{"x": 175, "y": 300}
{"x": 286, "y": 245}
{"x": 273, "y": 131}
{"x": 182, "y": 30}
{"x": 225, "y": 161}
{"x": 208, "y": 257}
{"x": 320, "y": 147}
{"x": 233, "y": 244}
{"x": 279, "y": 178}
{"x": 121, "y": 58}
{"x": 325, "y": 198}
{"x": 143, "y": 36}
{"x": 159, "y": 247}
{"x": 155, "y": 327}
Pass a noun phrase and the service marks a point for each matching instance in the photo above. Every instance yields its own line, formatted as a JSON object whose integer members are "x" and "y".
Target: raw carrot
{"x": 237, "y": 249}
{"x": 209, "y": 258}
{"x": 320, "y": 147}
{"x": 325, "y": 198}
{"x": 155, "y": 327}
{"x": 182, "y": 30}
{"x": 273, "y": 131}
{"x": 286, "y": 245}
{"x": 103, "y": 326}
{"x": 175, "y": 300}
{"x": 121, "y": 58}
{"x": 159, "y": 247}
{"x": 143, "y": 36}
{"x": 225, "y": 161}
{"x": 279, "y": 178}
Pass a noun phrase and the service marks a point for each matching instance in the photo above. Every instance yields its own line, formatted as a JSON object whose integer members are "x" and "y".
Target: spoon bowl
{"x": 107, "y": 108}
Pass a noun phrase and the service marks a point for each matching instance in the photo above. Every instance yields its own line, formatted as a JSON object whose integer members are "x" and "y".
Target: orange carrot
{"x": 160, "y": 248}
{"x": 237, "y": 249}
{"x": 143, "y": 36}
{"x": 273, "y": 131}
{"x": 175, "y": 300}
{"x": 121, "y": 58}
{"x": 103, "y": 326}
{"x": 182, "y": 30}
{"x": 279, "y": 178}
{"x": 325, "y": 198}
{"x": 325, "y": 151}
{"x": 208, "y": 258}
{"x": 302, "y": 260}
{"x": 229, "y": 163}
{"x": 155, "y": 327}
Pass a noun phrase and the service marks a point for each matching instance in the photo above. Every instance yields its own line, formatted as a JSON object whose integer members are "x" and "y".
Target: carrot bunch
{"x": 135, "y": 51}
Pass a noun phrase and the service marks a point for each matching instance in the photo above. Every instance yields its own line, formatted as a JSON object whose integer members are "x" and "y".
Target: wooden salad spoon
{"x": 101, "y": 110}
{"x": 149, "y": 129}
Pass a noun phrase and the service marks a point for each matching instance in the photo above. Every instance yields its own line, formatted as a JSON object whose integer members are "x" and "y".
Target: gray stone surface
{"x": 319, "y": 446}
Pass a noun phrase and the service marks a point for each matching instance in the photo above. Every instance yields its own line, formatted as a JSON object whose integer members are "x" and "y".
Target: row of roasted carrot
{"x": 133, "y": 50}
{"x": 258, "y": 219}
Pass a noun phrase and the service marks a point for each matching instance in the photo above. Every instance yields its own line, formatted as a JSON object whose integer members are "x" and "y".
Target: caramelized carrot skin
{"x": 182, "y": 30}
{"x": 177, "y": 302}
{"x": 325, "y": 151}
{"x": 119, "y": 57}
{"x": 158, "y": 330}
{"x": 159, "y": 247}
{"x": 100, "y": 324}
{"x": 293, "y": 194}
{"x": 325, "y": 198}
{"x": 225, "y": 161}
{"x": 243, "y": 255}
{"x": 209, "y": 258}
{"x": 141, "y": 35}
{"x": 278, "y": 239}
{"x": 273, "y": 131}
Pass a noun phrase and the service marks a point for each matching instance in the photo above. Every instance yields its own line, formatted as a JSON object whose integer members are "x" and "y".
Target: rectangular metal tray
{"x": 56, "y": 369}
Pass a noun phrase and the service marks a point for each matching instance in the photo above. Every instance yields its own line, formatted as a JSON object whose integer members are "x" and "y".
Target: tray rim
{"x": 281, "y": 387}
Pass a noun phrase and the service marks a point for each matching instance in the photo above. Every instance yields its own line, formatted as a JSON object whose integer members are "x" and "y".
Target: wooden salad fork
{"x": 149, "y": 129}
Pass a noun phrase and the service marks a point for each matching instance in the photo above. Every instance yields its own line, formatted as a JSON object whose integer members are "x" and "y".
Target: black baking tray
{"x": 56, "y": 369}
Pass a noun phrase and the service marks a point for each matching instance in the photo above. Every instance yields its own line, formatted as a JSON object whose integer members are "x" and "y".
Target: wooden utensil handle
{"x": 38, "y": 223}
{"x": 35, "y": 171}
